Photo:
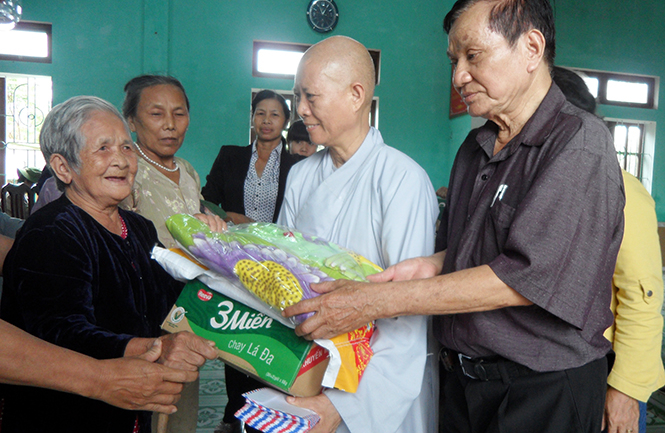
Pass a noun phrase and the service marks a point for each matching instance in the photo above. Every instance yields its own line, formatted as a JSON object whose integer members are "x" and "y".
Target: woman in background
{"x": 157, "y": 110}
{"x": 248, "y": 183}
{"x": 299, "y": 141}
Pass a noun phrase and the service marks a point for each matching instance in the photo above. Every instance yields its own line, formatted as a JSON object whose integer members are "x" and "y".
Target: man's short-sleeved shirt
{"x": 546, "y": 214}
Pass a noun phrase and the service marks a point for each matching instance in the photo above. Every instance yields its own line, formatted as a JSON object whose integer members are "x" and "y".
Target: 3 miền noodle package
{"x": 277, "y": 265}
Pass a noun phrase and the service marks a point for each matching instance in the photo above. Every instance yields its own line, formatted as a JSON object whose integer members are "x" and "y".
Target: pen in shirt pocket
{"x": 500, "y": 191}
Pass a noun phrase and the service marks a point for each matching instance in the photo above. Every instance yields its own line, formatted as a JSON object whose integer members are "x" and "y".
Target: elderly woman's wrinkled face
{"x": 269, "y": 120}
{"x": 108, "y": 161}
{"x": 489, "y": 74}
{"x": 161, "y": 120}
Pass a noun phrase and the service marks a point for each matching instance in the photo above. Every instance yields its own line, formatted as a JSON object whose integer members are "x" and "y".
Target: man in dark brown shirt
{"x": 521, "y": 286}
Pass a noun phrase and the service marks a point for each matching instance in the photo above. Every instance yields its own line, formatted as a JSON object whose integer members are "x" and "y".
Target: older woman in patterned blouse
{"x": 157, "y": 110}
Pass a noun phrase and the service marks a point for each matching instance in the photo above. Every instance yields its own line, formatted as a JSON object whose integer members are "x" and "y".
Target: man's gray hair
{"x": 61, "y": 132}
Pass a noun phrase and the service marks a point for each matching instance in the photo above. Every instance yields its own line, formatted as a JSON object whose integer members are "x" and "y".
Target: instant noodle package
{"x": 249, "y": 275}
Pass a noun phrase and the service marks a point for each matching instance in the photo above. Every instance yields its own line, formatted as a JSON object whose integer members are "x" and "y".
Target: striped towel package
{"x": 267, "y": 410}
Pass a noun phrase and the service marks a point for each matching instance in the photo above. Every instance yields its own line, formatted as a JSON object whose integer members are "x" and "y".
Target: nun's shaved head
{"x": 344, "y": 61}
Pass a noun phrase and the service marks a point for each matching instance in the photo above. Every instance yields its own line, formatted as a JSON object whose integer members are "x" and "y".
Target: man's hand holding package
{"x": 346, "y": 305}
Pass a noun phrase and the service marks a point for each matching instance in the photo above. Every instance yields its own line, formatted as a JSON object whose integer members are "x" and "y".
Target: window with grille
{"x": 634, "y": 139}
{"x": 629, "y": 145}
{"x": 25, "y": 102}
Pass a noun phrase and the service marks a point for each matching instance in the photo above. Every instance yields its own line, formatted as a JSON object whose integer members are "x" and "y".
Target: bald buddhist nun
{"x": 373, "y": 199}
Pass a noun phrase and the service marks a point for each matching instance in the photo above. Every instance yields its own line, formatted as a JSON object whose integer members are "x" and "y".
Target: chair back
{"x": 17, "y": 200}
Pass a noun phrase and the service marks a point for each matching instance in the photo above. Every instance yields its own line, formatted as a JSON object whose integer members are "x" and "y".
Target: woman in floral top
{"x": 157, "y": 110}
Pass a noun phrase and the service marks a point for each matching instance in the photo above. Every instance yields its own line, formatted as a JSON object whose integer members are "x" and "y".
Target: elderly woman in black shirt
{"x": 80, "y": 274}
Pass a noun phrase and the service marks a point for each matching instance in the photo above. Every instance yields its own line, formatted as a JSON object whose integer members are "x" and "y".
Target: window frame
{"x": 282, "y": 46}
{"x": 33, "y": 26}
{"x": 603, "y": 77}
{"x": 300, "y": 48}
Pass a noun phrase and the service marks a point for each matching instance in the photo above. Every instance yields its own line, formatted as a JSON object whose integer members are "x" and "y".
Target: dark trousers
{"x": 569, "y": 401}
{"x": 238, "y": 383}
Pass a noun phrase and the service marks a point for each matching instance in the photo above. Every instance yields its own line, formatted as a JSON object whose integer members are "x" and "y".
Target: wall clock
{"x": 322, "y": 15}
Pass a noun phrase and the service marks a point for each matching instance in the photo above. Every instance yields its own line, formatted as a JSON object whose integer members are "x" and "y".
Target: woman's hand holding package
{"x": 321, "y": 404}
{"x": 238, "y": 218}
{"x": 186, "y": 351}
{"x": 215, "y": 223}
{"x": 182, "y": 350}
{"x": 138, "y": 383}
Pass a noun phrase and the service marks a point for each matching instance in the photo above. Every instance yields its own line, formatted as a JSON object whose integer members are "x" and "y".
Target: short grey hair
{"x": 61, "y": 132}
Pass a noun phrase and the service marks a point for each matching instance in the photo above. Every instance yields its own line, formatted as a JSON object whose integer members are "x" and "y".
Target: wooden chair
{"x": 17, "y": 200}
